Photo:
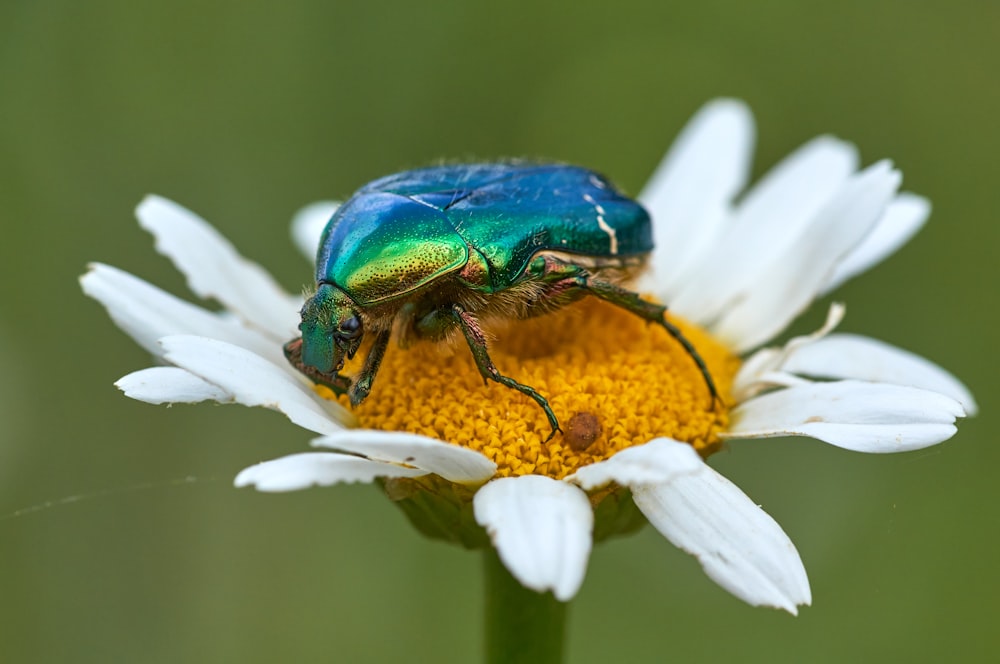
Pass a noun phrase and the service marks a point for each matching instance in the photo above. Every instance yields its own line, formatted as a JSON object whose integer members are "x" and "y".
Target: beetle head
{"x": 331, "y": 329}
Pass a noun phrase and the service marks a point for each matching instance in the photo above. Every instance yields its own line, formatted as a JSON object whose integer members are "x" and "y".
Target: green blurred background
{"x": 243, "y": 112}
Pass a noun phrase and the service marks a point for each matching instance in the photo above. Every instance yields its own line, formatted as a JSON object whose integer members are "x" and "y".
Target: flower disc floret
{"x": 614, "y": 381}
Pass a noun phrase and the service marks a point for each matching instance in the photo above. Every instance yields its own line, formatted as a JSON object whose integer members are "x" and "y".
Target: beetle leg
{"x": 405, "y": 328}
{"x": 358, "y": 389}
{"x": 433, "y": 324}
{"x": 477, "y": 344}
{"x": 363, "y": 381}
{"x": 565, "y": 276}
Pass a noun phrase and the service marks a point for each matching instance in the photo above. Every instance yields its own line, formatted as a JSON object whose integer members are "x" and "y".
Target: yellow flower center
{"x": 612, "y": 379}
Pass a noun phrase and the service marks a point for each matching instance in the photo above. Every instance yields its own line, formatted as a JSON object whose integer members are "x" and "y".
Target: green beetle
{"x": 430, "y": 250}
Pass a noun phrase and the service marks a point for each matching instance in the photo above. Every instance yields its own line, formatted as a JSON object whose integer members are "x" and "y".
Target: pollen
{"x": 612, "y": 379}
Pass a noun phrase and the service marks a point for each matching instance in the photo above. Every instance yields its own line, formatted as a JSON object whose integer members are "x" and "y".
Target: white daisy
{"x": 735, "y": 270}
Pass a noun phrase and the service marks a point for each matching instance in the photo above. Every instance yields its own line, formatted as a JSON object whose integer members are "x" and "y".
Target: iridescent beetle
{"x": 435, "y": 249}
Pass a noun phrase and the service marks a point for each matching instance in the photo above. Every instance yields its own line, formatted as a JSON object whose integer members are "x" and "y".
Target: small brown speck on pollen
{"x": 582, "y": 430}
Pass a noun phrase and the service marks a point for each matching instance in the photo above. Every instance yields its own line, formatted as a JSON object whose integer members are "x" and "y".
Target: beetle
{"x": 441, "y": 248}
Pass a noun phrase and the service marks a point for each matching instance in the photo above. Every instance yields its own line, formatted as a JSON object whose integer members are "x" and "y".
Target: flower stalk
{"x": 521, "y": 625}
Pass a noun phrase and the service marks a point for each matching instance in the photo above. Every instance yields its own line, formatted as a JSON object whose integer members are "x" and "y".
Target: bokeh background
{"x": 121, "y": 537}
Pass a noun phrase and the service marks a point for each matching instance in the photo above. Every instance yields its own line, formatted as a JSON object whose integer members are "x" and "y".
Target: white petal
{"x": 147, "y": 313}
{"x": 865, "y": 417}
{"x": 253, "y": 381}
{"x": 771, "y": 379}
{"x": 453, "y": 463}
{"x": 781, "y": 205}
{"x": 308, "y": 224}
{"x": 762, "y": 370}
{"x": 854, "y": 356}
{"x": 214, "y": 269}
{"x": 789, "y": 284}
{"x": 541, "y": 529}
{"x": 905, "y": 216}
{"x": 301, "y": 471}
{"x": 775, "y": 216}
{"x": 159, "y": 385}
{"x": 690, "y": 192}
{"x": 658, "y": 461}
{"x": 738, "y": 545}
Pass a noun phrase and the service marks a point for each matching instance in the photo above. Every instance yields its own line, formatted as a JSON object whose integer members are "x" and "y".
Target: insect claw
{"x": 357, "y": 394}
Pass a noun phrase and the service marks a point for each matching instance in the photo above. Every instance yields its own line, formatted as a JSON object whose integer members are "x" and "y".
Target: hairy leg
{"x": 435, "y": 323}
{"x": 563, "y": 277}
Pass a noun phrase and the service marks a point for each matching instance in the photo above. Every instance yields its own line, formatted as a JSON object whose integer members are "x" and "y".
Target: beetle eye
{"x": 349, "y": 328}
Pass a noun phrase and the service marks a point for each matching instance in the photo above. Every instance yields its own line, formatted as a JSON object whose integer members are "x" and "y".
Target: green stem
{"x": 521, "y": 625}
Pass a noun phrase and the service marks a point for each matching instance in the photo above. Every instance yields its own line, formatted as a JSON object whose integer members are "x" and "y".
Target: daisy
{"x": 471, "y": 464}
